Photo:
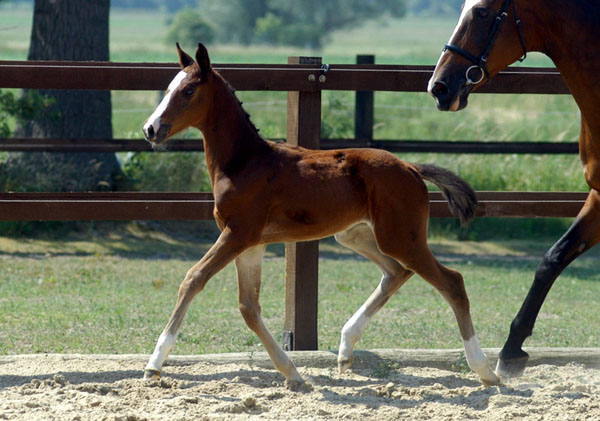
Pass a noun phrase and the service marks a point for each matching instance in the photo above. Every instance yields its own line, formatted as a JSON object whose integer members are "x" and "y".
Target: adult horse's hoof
{"x": 513, "y": 366}
{"x": 151, "y": 375}
{"x": 344, "y": 363}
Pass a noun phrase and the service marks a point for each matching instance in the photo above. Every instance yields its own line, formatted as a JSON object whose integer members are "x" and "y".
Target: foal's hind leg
{"x": 218, "y": 256}
{"x": 248, "y": 265}
{"x": 450, "y": 284}
{"x": 361, "y": 239}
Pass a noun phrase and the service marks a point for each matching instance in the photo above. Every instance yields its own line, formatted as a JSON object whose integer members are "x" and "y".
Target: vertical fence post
{"x": 363, "y": 115}
{"x": 302, "y": 259}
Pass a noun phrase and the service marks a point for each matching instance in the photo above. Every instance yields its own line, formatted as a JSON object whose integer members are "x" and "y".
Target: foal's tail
{"x": 460, "y": 196}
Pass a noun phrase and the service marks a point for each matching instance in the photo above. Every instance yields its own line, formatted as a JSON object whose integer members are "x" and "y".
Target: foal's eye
{"x": 189, "y": 91}
{"x": 481, "y": 13}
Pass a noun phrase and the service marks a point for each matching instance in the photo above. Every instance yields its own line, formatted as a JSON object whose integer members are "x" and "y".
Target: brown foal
{"x": 267, "y": 192}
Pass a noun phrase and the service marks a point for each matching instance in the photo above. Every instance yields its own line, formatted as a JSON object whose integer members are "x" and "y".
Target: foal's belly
{"x": 305, "y": 224}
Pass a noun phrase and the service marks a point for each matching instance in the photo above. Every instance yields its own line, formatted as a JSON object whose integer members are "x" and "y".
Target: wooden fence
{"x": 304, "y": 79}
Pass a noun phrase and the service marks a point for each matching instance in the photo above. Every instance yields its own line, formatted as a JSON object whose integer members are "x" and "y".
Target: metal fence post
{"x": 302, "y": 259}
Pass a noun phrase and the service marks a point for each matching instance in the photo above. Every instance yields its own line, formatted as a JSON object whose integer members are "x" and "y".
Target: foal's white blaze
{"x": 468, "y": 6}
{"x": 154, "y": 120}
{"x": 165, "y": 344}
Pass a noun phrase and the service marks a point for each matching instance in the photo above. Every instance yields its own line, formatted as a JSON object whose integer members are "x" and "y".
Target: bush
{"x": 29, "y": 106}
{"x": 147, "y": 171}
{"x": 189, "y": 28}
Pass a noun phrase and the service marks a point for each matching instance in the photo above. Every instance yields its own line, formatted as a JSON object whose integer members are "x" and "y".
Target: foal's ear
{"x": 202, "y": 59}
{"x": 184, "y": 59}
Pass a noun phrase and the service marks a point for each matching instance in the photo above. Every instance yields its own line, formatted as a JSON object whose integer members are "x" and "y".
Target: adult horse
{"x": 266, "y": 192}
{"x": 489, "y": 36}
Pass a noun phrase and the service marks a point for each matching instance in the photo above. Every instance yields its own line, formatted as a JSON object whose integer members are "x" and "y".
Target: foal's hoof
{"x": 345, "y": 363}
{"x": 512, "y": 367}
{"x": 299, "y": 386}
{"x": 151, "y": 375}
{"x": 490, "y": 379}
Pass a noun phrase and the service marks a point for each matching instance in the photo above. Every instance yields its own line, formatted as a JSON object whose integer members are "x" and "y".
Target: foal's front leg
{"x": 248, "y": 265}
{"x": 226, "y": 248}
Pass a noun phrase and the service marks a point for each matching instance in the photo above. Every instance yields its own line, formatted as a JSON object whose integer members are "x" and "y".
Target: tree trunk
{"x": 67, "y": 30}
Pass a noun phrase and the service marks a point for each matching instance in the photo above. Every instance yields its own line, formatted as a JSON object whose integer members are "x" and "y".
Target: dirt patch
{"x": 59, "y": 387}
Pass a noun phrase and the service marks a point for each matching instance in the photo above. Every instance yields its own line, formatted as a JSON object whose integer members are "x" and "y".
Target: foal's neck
{"x": 230, "y": 138}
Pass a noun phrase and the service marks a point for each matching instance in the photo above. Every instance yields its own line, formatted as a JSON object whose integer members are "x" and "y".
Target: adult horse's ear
{"x": 202, "y": 59}
{"x": 185, "y": 59}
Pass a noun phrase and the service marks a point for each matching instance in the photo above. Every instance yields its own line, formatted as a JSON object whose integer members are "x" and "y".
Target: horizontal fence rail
{"x": 263, "y": 77}
{"x": 196, "y": 145}
{"x": 117, "y": 206}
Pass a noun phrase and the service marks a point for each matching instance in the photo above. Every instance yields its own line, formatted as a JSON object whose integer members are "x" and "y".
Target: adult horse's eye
{"x": 481, "y": 13}
{"x": 189, "y": 91}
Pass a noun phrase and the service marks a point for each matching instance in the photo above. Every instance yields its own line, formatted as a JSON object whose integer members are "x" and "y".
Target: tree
{"x": 305, "y": 23}
{"x": 189, "y": 28}
{"x": 234, "y": 20}
{"x": 435, "y": 7}
{"x": 64, "y": 30}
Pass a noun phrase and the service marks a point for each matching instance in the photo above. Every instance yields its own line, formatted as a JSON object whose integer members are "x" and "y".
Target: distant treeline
{"x": 416, "y": 7}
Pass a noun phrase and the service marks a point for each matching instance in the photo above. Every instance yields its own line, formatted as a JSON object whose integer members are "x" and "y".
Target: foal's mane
{"x": 232, "y": 91}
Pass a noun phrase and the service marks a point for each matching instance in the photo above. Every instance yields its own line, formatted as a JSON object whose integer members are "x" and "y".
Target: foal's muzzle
{"x": 156, "y": 135}
{"x": 149, "y": 132}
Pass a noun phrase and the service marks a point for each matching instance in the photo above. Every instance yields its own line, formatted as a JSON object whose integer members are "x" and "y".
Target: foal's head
{"x": 186, "y": 101}
{"x": 486, "y": 40}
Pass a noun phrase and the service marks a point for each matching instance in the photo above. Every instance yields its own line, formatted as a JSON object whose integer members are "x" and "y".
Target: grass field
{"x": 114, "y": 294}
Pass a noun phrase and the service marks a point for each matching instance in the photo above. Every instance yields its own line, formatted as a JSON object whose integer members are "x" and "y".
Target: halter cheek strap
{"x": 479, "y": 62}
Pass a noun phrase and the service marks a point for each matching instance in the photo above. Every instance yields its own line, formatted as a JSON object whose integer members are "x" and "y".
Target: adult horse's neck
{"x": 567, "y": 31}
{"x": 230, "y": 138}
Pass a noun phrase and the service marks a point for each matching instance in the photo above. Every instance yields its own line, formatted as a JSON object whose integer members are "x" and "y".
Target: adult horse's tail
{"x": 459, "y": 194}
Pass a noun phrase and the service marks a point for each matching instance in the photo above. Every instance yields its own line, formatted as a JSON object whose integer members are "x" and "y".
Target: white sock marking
{"x": 162, "y": 350}
{"x": 352, "y": 331}
{"x": 474, "y": 354}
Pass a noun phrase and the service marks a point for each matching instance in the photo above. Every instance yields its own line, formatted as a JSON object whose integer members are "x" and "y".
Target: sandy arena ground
{"x": 76, "y": 387}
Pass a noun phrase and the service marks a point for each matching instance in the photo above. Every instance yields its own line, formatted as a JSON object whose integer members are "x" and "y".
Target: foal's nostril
{"x": 150, "y": 132}
{"x": 439, "y": 90}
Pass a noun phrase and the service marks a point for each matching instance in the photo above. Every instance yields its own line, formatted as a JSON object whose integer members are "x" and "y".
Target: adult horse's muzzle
{"x": 450, "y": 95}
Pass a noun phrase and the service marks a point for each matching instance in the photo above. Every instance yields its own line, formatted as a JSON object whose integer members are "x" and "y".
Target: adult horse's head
{"x": 185, "y": 101}
{"x": 487, "y": 38}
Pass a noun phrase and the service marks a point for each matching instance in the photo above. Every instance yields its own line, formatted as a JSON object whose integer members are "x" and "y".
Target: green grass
{"x": 114, "y": 295}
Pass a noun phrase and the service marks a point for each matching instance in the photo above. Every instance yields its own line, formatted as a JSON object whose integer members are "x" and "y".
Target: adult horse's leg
{"x": 583, "y": 234}
{"x": 248, "y": 265}
{"x": 361, "y": 239}
{"x": 226, "y": 248}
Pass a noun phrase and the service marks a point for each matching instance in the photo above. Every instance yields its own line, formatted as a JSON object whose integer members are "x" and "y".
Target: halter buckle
{"x": 471, "y": 81}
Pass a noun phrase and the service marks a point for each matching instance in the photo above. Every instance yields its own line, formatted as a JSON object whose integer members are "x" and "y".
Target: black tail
{"x": 460, "y": 196}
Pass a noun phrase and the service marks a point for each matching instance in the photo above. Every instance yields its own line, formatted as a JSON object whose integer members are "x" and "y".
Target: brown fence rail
{"x": 196, "y": 145}
{"x": 199, "y": 206}
{"x": 262, "y": 77}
